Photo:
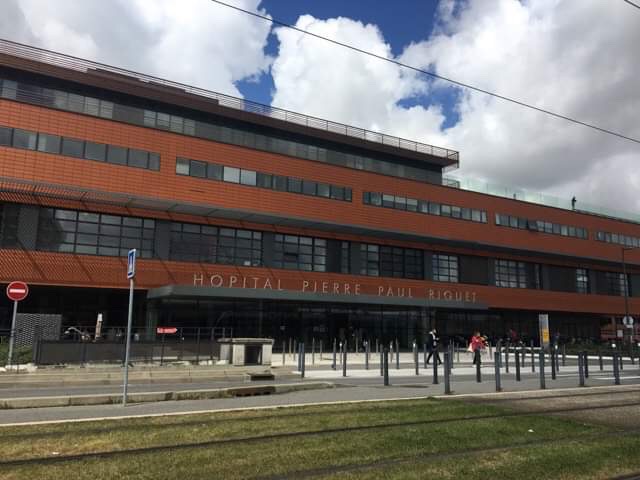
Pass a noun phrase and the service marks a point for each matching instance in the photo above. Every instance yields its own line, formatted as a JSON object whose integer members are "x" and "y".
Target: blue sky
{"x": 400, "y": 22}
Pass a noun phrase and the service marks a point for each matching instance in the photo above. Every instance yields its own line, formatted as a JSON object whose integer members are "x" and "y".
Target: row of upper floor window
{"x": 76, "y": 148}
{"x": 243, "y": 176}
{"x": 541, "y": 226}
{"x": 620, "y": 239}
{"x": 385, "y": 200}
{"x": 223, "y": 131}
{"x": 92, "y": 233}
{"x": 118, "y": 155}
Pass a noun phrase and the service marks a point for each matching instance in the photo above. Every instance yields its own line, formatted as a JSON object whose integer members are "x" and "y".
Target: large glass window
{"x": 300, "y": 253}
{"x": 582, "y": 280}
{"x": 24, "y": 139}
{"x": 73, "y": 148}
{"x": 345, "y": 257}
{"x": 510, "y": 274}
{"x": 90, "y": 233}
{"x": 369, "y": 259}
{"x": 210, "y": 244}
{"x": 445, "y": 268}
{"x": 615, "y": 283}
{"x": 389, "y": 261}
{"x": 48, "y": 143}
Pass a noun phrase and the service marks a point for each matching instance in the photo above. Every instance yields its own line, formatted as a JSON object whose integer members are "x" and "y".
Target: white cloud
{"x": 329, "y": 81}
{"x": 576, "y": 58}
{"x": 195, "y": 41}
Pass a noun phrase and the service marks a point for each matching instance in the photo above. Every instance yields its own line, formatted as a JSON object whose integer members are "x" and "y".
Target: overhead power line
{"x": 631, "y": 3}
{"x": 432, "y": 74}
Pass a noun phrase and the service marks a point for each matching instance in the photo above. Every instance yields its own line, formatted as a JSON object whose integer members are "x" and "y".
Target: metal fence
{"x": 81, "y": 346}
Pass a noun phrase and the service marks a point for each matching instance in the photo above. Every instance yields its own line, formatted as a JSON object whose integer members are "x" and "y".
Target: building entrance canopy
{"x": 200, "y": 293}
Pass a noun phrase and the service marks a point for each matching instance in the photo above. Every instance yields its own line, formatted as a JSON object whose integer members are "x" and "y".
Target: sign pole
{"x": 12, "y": 336}
{"x": 131, "y": 272}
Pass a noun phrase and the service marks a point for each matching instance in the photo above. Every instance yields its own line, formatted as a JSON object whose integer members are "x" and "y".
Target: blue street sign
{"x": 131, "y": 263}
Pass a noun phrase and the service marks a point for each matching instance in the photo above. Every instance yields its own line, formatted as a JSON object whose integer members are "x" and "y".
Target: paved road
{"x": 355, "y": 388}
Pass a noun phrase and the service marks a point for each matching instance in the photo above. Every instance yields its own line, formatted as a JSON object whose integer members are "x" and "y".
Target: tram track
{"x": 423, "y": 458}
{"x": 105, "y": 454}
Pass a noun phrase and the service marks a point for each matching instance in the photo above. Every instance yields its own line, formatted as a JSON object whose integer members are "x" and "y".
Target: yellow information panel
{"x": 545, "y": 335}
{"x": 543, "y": 325}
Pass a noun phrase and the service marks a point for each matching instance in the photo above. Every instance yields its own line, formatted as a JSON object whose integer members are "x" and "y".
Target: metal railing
{"x": 86, "y": 66}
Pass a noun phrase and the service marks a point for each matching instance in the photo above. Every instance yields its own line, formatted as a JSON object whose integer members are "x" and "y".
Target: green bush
{"x": 20, "y": 355}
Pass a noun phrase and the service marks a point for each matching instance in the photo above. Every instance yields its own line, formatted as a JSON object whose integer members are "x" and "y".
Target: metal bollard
{"x": 302, "y": 359}
{"x": 476, "y": 356}
{"x": 377, "y": 346}
{"x": 517, "y": 366}
{"x": 541, "y": 363}
{"x": 381, "y": 364}
{"x": 416, "y": 357}
{"x": 447, "y": 380}
{"x": 458, "y": 355}
{"x": 284, "y": 346}
{"x": 333, "y": 364}
{"x": 616, "y": 371}
{"x": 581, "y": 369}
{"x": 564, "y": 355}
{"x": 298, "y": 356}
{"x": 506, "y": 358}
{"x": 600, "y": 362}
{"x": 344, "y": 360}
{"x": 585, "y": 361}
{"x": 496, "y": 360}
{"x": 366, "y": 355}
{"x": 313, "y": 351}
{"x": 385, "y": 360}
{"x": 523, "y": 354}
{"x": 553, "y": 365}
{"x": 424, "y": 351}
{"x": 435, "y": 370}
{"x": 533, "y": 360}
{"x": 397, "y": 355}
{"x": 621, "y": 361}
{"x": 290, "y": 345}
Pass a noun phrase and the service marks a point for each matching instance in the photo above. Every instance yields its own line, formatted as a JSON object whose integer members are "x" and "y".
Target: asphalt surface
{"x": 360, "y": 385}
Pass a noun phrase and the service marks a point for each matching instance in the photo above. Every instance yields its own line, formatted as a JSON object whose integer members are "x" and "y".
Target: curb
{"x": 108, "y": 399}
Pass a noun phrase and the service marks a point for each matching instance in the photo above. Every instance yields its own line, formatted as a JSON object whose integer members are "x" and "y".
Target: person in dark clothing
{"x": 432, "y": 346}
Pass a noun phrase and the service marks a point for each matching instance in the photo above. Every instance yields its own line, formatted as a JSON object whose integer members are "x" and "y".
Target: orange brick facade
{"x": 79, "y": 270}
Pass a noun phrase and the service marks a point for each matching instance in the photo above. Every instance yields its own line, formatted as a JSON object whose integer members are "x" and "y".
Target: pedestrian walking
{"x": 476, "y": 344}
{"x": 432, "y": 346}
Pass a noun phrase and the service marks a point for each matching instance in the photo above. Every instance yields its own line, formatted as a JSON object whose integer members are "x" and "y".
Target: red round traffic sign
{"x": 17, "y": 291}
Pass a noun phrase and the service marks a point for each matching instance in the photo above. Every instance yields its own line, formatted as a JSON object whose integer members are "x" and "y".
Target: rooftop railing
{"x": 539, "y": 198}
{"x": 86, "y": 66}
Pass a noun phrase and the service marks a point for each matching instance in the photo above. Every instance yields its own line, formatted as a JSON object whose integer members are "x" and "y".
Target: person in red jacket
{"x": 476, "y": 344}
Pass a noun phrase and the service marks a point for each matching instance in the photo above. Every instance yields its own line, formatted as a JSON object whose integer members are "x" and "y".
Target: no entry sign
{"x": 17, "y": 291}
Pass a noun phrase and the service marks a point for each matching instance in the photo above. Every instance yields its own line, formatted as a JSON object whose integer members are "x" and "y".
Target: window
{"x": 294, "y": 185}
{"x": 510, "y": 274}
{"x": 5, "y": 136}
{"x": 48, "y": 143}
{"x": 24, "y": 139}
{"x": 72, "y": 147}
{"x": 615, "y": 283}
{"x": 198, "y": 169}
{"x": 138, "y": 158}
{"x": 264, "y": 180}
{"x": 370, "y": 259}
{"x": 210, "y": 244}
{"x": 309, "y": 187}
{"x": 214, "y": 172}
{"x": 95, "y": 151}
{"x": 300, "y": 253}
{"x": 154, "y": 161}
{"x": 182, "y": 166}
{"x": 231, "y": 175}
{"x": 345, "y": 257}
{"x": 582, "y": 280}
{"x": 94, "y": 233}
{"x": 445, "y": 268}
{"x": 248, "y": 177}
{"x": 117, "y": 155}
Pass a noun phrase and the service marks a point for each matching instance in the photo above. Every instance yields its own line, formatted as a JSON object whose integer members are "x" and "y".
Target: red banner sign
{"x": 166, "y": 329}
